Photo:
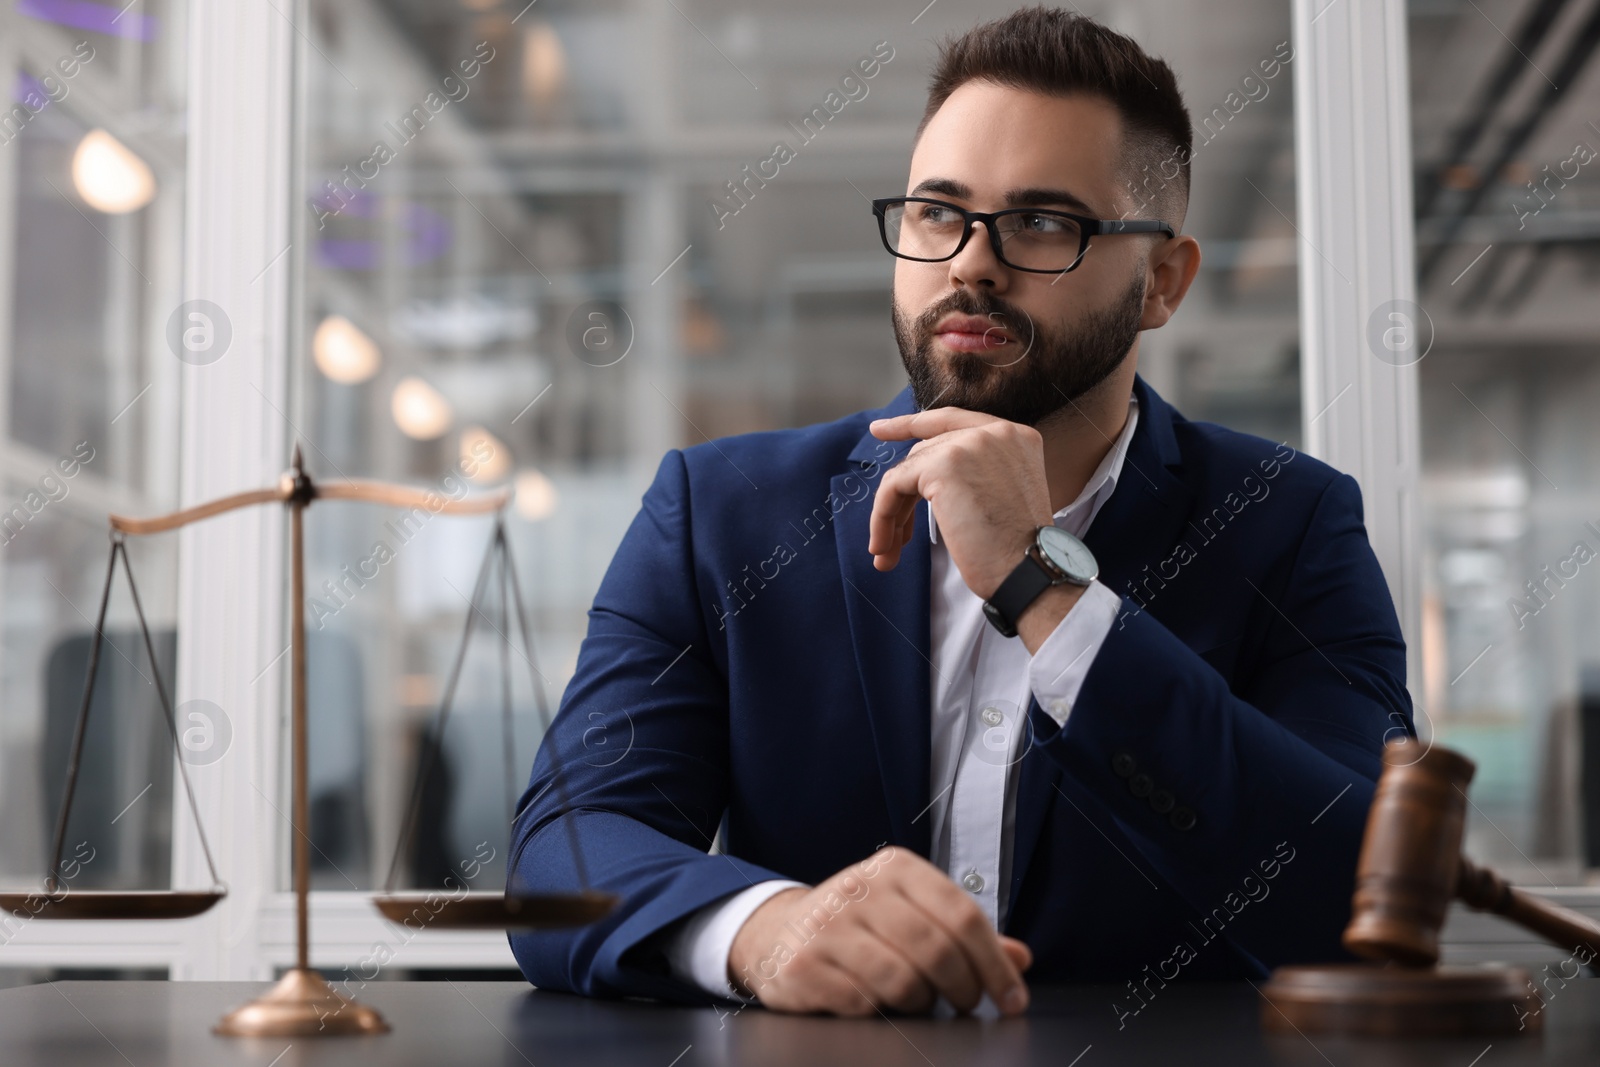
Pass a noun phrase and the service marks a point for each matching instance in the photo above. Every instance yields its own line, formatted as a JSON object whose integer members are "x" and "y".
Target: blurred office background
{"x": 541, "y": 284}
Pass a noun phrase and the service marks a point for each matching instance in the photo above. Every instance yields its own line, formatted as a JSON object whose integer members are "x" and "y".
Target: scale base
{"x": 1373, "y": 1000}
{"x": 302, "y": 1004}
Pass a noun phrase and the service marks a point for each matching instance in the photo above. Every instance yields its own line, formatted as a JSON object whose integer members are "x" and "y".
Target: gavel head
{"x": 1411, "y": 854}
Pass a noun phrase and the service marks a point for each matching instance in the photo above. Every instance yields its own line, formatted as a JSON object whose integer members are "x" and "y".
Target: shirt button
{"x": 992, "y": 717}
{"x": 973, "y": 881}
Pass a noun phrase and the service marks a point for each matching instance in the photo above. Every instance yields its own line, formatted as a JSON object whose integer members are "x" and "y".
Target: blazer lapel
{"x": 888, "y": 615}
{"x": 1145, "y": 516}
{"x": 1138, "y": 526}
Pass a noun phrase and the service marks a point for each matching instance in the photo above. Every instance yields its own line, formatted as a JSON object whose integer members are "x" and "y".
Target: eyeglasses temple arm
{"x": 1137, "y": 226}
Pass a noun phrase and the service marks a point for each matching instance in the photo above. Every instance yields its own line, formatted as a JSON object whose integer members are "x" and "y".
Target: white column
{"x": 235, "y": 437}
{"x": 1358, "y": 363}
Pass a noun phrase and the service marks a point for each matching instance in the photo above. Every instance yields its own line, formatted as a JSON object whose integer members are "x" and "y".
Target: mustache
{"x": 984, "y": 305}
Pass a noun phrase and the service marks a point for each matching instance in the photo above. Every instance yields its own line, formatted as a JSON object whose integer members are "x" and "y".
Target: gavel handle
{"x": 1482, "y": 888}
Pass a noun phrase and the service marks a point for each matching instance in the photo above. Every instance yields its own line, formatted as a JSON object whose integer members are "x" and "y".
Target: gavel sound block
{"x": 1410, "y": 869}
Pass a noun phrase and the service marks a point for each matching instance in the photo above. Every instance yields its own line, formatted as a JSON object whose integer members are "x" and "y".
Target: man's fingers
{"x": 894, "y": 507}
{"x": 879, "y": 970}
{"x": 952, "y": 909}
{"x": 1020, "y": 955}
{"x": 924, "y": 424}
{"x": 930, "y": 949}
{"x": 824, "y": 987}
{"x": 895, "y": 501}
{"x": 918, "y": 938}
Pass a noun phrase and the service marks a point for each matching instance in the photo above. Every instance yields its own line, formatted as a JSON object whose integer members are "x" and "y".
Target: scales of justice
{"x": 302, "y": 1003}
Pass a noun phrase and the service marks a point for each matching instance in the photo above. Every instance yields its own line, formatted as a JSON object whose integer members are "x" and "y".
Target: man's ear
{"x": 1171, "y": 271}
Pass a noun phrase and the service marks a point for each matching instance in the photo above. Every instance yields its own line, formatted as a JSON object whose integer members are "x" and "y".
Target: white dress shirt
{"x": 981, "y": 686}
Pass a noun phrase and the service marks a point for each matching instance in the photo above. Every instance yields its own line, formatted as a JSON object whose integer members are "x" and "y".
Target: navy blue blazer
{"x": 747, "y": 670}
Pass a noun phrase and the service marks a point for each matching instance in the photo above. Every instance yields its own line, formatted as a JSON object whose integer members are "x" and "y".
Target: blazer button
{"x": 1162, "y": 801}
{"x": 1123, "y": 764}
{"x": 1140, "y": 785}
{"x": 1182, "y": 819}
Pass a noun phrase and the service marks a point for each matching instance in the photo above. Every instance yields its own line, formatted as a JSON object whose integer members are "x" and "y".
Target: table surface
{"x": 141, "y": 1024}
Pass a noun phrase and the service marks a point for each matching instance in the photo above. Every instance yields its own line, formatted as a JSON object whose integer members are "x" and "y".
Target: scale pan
{"x": 111, "y": 903}
{"x": 495, "y": 911}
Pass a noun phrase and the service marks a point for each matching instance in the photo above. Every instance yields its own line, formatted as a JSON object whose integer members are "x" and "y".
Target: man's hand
{"x": 890, "y": 933}
{"x": 984, "y": 479}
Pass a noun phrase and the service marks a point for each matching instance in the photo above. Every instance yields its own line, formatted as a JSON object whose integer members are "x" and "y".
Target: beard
{"x": 1051, "y": 371}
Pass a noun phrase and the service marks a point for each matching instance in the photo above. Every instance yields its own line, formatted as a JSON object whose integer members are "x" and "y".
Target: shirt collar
{"x": 1076, "y": 516}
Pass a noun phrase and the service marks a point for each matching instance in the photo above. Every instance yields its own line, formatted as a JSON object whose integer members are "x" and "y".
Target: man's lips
{"x": 969, "y": 333}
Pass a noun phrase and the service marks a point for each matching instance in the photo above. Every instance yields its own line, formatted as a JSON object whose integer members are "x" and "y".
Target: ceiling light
{"x": 343, "y": 353}
{"x": 419, "y": 409}
{"x": 544, "y": 63}
{"x": 109, "y": 176}
{"x": 484, "y": 457}
{"x": 536, "y": 496}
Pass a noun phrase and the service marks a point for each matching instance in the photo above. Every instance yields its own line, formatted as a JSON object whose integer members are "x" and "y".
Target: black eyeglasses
{"x": 1025, "y": 238}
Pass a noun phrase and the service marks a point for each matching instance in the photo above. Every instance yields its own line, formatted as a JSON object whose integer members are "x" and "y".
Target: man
{"x": 1023, "y": 672}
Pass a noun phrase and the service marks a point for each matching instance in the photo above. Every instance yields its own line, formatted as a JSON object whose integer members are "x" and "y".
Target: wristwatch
{"x": 1055, "y": 558}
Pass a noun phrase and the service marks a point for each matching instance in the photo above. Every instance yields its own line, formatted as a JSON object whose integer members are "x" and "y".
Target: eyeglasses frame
{"x": 1090, "y": 227}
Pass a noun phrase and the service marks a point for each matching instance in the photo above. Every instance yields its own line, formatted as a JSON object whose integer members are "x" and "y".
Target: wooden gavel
{"x": 1409, "y": 871}
{"x": 1411, "y": 866}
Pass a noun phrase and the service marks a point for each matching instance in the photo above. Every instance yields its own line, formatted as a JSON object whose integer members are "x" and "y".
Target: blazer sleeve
{"x": 631, "y": 779}
{"x": 1282, "y": 765}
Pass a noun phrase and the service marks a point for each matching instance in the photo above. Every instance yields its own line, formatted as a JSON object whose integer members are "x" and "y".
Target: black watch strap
{"x": 1022, "y": 587}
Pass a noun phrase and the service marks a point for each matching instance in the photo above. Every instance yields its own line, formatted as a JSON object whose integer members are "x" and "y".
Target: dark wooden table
{"x": 144, "y": 1024}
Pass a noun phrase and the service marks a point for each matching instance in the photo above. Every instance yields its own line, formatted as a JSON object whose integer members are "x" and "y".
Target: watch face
{"x": 1068, "y": 554}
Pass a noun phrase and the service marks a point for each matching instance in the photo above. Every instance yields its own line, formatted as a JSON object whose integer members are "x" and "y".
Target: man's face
{"x": 1031, "y": 343}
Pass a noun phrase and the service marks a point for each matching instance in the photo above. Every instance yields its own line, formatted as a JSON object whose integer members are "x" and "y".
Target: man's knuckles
{"x": 969, "y": 923}
{"x": 1016, "y": 433}
{"x": 897, "y": 984}
{"x": 804, "y": 969}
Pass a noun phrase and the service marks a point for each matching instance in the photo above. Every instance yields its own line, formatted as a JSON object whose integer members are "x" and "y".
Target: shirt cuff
{"x": 698, "y": 952}
{"x": 1057, "y": 670}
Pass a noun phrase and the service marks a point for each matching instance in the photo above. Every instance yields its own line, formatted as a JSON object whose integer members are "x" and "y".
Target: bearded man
{"x": 1021, "y": 673}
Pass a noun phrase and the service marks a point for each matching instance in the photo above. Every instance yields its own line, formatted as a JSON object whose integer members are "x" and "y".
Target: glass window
{"x": 1231, "y": 354}
{"x": 91, "y": 206}
{"x": 1502, "y": 107}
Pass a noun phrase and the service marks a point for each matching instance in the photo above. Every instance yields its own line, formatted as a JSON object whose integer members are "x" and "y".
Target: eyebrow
{"x": 1029, "y": 197}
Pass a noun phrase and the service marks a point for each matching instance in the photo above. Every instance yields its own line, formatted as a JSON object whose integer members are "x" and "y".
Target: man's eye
{"x": 935, "y": 213}
{"x": 1044, "y": 225}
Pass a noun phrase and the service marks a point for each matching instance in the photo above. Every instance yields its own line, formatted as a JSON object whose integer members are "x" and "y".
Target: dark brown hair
{"x": 1058, "y": 53}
